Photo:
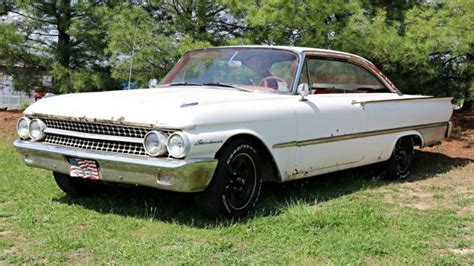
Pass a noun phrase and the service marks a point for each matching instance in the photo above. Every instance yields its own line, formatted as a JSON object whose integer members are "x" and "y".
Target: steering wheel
{"x": 265, "y": 80}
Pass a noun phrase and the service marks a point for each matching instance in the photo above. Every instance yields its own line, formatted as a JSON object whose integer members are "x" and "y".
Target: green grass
{"x": 342, "y": 218}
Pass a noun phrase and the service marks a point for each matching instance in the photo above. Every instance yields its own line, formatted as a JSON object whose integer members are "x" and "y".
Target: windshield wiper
{"x": 220, "y": 84}
{"x": 184, "y": 84}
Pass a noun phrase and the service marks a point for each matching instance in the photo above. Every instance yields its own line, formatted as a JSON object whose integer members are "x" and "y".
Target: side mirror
{"x": 152, "y": 83}
{"x": 303, "y": 91}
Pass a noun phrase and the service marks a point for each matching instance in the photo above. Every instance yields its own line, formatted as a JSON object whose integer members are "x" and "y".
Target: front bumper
{"x": 188, "y": 175}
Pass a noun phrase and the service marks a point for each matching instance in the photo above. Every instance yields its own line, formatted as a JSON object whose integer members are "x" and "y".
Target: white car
{"x": 226, "y": 119}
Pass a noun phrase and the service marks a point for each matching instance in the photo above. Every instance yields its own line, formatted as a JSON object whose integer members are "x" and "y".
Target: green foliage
{"x": 135, "y": 40}
{"x": 24, "y": 105}
{"x": 80, "y": 80}
{"x": 64, "y": 38}
{"x": 202, "y": 20}
{"x": 187, "y": 43}
{"x": 10, "y": 42}
{"x": 424, "y": 46}
{"x": 15, "y": 57}
{"x": 298, "y": 22}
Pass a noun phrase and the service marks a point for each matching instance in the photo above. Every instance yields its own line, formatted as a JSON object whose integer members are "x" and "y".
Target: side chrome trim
{"x": 355, "y": 135}
{"x": 401, "y": 100}
{"x": 83, "y": 135}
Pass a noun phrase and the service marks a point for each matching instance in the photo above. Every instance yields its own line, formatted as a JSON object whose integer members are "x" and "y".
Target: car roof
{"x": 298, "y": 50}
{"x": 325, "y": 52}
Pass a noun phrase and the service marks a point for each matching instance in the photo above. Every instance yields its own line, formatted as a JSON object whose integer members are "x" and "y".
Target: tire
{"x": 236, "y": 184}
{"x": 75, "y": 186}
{"x": 399, "y": 165}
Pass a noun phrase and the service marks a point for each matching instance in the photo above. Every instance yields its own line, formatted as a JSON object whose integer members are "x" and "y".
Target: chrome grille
{"x": 97, "y": 145}
{"x": 96, "y": 128}
{"x": 114, "y": 145}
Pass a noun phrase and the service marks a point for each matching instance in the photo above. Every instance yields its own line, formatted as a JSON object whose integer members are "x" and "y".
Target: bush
{"x": 24, "y": 105}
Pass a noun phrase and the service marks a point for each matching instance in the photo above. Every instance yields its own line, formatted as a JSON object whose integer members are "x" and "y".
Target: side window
{"x": 333, "y": 76}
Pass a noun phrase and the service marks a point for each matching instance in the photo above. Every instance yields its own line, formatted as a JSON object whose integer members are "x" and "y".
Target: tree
{"x": 136, "y": 46}
{"x": 429, "y": 51}
{"x": 201, "y": 20}
{"x": 61, "y": 37}
{"x": 148, "y": 38}
{"x": 297, "y": 22}
{"x": 424, "y": 46}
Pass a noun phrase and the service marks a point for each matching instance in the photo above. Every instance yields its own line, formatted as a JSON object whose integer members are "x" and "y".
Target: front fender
{"x": 206, "y": 144}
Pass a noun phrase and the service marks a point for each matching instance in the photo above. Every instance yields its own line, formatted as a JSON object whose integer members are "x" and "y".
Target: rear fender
{"x": 417, "y": 135}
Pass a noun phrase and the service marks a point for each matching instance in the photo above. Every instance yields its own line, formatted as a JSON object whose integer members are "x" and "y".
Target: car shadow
{"x": 153, "y": 204}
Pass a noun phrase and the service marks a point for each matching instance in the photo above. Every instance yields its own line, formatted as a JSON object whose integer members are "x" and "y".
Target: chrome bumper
{"x": 449, "y": 130}
{"x": 190, "y": 175}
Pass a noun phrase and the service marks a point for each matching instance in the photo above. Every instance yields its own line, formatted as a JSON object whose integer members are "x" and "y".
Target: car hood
{"x": 159, "y": 106}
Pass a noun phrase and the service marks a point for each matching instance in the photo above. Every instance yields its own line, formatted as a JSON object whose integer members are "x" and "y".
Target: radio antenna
{"x": 133, "y": 54}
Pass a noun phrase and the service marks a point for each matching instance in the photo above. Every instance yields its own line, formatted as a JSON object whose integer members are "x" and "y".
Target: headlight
{"x": 22, "y": 128}
{"x": 178, "y": 145}
{"x": 155, "y": 143}
{"x": 36, "y": 130}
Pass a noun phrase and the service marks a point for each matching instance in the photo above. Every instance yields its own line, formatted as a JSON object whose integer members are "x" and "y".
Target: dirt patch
{"x": 8, "y": 121}
{"x": 11, "y": 250}
{"x": 79, "y": 255}
{"x": 462, "y": 251}
{"x": 436, "y": 192}
{"x": 461, "y": 143}
{"x": 417, "y": 199}
{"x": 466, "y": 211}
{"x": 5, "y": 233}
{"x": 8, "y": 246}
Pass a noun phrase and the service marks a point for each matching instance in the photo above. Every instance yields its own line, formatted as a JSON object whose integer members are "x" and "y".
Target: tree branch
{"x": 84, "y": 12}
{"x": 42, "y": 42}
{"x": 30, "y": 17}
{"x": 219, "y": 9}
{"x": 43, "y": 34}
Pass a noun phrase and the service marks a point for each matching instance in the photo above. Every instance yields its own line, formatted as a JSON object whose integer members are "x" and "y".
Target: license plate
{"x": 83, "y": 168}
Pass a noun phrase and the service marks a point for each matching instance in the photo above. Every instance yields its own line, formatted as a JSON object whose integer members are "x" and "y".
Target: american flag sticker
{"x": 83, "y": 168}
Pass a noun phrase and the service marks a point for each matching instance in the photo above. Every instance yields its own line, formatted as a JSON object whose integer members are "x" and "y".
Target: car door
{"x": 330, "y": 125}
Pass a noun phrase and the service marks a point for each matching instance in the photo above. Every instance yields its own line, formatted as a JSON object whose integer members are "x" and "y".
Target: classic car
{"x": 226, "y": 119}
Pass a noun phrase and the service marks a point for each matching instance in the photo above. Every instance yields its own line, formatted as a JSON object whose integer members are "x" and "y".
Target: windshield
{"x": 248, "y": 68}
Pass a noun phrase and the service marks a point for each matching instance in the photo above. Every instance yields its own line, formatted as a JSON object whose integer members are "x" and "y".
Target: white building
{"x": 8, "y": 96}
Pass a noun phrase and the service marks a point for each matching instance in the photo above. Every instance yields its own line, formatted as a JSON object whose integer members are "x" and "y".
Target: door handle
{"x": 358, "y": 103}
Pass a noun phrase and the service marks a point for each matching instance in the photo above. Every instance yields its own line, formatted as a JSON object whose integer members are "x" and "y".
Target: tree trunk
{"x": 63, "y": 16}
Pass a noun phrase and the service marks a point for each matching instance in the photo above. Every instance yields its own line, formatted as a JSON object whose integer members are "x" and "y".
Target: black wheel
{"x": 75, "y": 186}
{"x": 399, "y": 164}
{"x": 236, "y": 183}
